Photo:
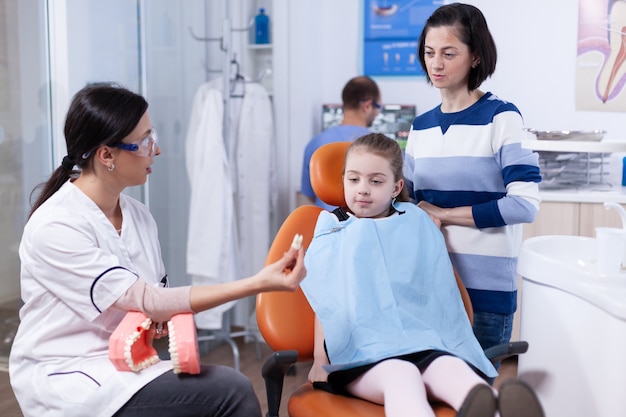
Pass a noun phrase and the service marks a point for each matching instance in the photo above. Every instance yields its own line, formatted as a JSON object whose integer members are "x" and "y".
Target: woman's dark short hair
{"x": 472, "y": 31}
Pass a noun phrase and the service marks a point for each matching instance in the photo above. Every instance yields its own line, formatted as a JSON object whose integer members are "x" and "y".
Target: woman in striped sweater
{"x": 466, "y": 167}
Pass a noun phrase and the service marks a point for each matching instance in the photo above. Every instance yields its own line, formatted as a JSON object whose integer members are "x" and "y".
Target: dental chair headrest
{"x": 326, "y": 170}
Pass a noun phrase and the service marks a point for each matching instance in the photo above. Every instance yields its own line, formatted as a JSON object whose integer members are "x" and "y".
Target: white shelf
{"x": 574, "y": 146}
{"x": 260, "y": 46}
{"x": 615, "y": 194}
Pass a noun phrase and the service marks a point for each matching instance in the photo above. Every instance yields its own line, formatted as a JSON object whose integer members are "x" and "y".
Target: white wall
{"x": 536, "y": 40}
{"x": 537, "y": 65}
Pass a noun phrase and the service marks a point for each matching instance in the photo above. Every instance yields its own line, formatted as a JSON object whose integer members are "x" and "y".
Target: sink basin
{"x": 569, "y": 263}
{"x": 574, "y": 320}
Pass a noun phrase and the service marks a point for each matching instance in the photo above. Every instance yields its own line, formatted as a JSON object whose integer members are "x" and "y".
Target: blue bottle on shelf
{"x": 261, "y": 27}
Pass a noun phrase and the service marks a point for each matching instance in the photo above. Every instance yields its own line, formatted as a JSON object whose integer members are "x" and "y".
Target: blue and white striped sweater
{"x": 474, "y": 158}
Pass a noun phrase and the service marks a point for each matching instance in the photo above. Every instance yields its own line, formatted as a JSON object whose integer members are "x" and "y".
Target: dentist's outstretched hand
{"x": 286, "y": 273}
{"x": 283, "y": 275}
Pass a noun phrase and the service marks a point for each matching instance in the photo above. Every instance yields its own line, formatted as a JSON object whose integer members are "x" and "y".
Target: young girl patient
{"x": 390, "y": 326}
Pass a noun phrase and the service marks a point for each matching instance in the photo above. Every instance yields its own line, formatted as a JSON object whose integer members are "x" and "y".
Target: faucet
{"x": 622, "y": 214}
{"x": 620, "y": 210}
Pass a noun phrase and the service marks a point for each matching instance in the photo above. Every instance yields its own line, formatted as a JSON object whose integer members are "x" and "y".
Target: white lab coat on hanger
{"x": 211, "y": 244}
{"x": 256, "y": 190}
{"x": 240, "y": 190}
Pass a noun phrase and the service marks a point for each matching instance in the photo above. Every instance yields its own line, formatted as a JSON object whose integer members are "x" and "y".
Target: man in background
{"x": 361, "y": 104}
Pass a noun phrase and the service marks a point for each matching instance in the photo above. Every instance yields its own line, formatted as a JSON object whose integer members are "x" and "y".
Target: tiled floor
{"x": 8, "y": 326}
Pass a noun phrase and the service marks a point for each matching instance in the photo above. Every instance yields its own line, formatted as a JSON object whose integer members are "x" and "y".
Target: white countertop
{"x": 616, "y": 194}
{"x": 575, "y": 146}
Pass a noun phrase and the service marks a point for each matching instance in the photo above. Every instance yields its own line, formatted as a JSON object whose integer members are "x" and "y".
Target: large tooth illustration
{"x": 613, "y": 69}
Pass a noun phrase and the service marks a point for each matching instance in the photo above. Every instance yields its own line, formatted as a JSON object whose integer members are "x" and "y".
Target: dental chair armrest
{"x": 273, "y": 372}
{"x": 504, "y": 350}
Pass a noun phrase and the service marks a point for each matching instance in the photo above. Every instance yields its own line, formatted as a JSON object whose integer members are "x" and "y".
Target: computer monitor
{"x": 394, "y": 120}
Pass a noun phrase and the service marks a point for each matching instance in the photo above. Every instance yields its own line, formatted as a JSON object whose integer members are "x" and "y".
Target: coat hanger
{"x": 237, "y": 79}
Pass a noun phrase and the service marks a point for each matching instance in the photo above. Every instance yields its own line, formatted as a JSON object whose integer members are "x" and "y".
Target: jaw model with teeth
{"x": 183, "y": 345}
{"x": 129, "y": 349}
{"x": 613, "y": 70}
{"x": 128, "y": 345}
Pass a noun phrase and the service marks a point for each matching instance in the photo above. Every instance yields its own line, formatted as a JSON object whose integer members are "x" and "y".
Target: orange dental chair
{"x": 286, "y": 320}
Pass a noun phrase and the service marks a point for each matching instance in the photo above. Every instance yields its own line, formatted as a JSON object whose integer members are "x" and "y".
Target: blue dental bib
{"x": 386, "y": 287}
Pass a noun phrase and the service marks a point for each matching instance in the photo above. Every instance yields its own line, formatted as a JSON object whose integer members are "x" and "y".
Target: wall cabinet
{"x": 554, "y": 219}
{"x": 595, "y": 215}
{"x": 567, "y": 218}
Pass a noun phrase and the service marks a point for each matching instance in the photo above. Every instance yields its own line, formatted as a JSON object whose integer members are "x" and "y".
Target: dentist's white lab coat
{"x": 233, "y": 190}
{"x": 74, "y": 266}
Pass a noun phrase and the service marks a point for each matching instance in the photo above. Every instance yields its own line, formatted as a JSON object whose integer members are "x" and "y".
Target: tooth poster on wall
{"x": 391, "y": 30}
{"x": 601, "y": 58}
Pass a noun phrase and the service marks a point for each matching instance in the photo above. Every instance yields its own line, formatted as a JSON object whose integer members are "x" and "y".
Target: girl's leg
{"x": 398, "y": 385}
{"x": 450, "y": 379}
{"x": 218, "y": 391}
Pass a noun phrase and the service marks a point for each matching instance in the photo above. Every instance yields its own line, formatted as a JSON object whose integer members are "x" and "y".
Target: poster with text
{"x": 391, "y": 31}
{"x": 601, "y": 57}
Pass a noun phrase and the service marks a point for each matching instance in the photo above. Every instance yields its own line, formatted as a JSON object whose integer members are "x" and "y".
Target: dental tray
{"x": 575, "y": 135}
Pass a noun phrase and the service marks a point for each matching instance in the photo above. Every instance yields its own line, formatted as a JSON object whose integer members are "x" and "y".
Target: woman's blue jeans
{"x": 492, "y": 329}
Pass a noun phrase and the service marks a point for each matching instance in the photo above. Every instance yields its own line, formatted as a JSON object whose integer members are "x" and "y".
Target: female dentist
{"x": 89, "y": 254}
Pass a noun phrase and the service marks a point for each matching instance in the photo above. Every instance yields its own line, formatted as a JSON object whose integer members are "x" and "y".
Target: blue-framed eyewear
{"x": 146, "y": 147}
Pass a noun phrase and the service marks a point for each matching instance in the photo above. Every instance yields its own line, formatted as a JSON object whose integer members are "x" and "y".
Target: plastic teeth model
{"x": 129, "y": 349}
{"x": 183, "y": 344}
{"x": 128, "y": 345}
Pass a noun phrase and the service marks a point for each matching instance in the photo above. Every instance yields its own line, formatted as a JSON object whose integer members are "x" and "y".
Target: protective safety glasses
{"x": 145, "y": 147}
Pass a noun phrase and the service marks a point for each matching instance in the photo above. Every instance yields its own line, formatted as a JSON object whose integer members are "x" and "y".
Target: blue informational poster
{"x": 391, "y": 31}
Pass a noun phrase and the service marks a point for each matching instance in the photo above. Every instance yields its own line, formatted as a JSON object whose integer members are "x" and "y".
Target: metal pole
{"x": 226, "y": 46}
